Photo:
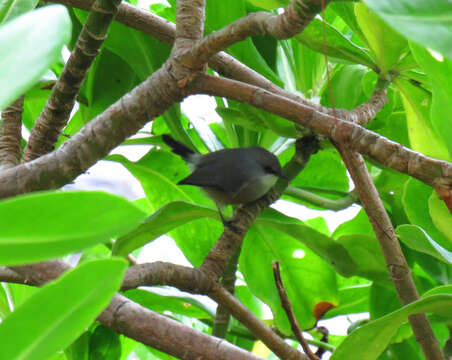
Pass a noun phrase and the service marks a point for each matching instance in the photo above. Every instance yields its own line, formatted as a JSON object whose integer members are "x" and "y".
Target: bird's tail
{"x": 177, "y": 147}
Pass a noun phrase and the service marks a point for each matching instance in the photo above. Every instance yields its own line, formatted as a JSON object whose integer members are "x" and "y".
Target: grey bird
{"x": 230, "y": 176}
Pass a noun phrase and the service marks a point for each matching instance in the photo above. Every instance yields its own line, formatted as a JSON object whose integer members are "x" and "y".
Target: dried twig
{"x": 285, "y": 302}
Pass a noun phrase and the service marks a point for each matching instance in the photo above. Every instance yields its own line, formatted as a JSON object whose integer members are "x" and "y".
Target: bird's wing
{"x": 204, "y": 177}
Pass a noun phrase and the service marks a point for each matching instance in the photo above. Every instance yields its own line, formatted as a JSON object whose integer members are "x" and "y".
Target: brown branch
{"x": 433, "y": 172}
{"x": 222, "y": 315}
{"x": 399, "y": 271}
{"x": 285, "y": 302}
{"x": 297, "y": 15}
{"x": 189, "y": 23}
{"x": 62, "y": 98}
{"x": 11, "y": 134}
{"x": 255, "y": 325}
{"x": 121, "y": 120}
{"x": 164, "y": 30}
{"x": 145, "y": 326}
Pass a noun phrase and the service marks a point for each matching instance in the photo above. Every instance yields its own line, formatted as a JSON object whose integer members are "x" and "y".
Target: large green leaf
{"x": 222, "y": 13}
{"x": 370, "y": 340}
{"x": 352, "y": 299}
{"x": 346, "y": 93}
{"x": 328, "y": 249}
{"x": 439, "y": 71}
{"x": 159, "y": 171}
{"x": 422, "y": 135}
{"x": 165, "y": 219}
{"x": 104, "y": 344}
{"x": 440, "y": 215}
{"x": 22, "y": 62}
{"x": 417, "y": 239}
{"x": 108, "y": 79}
{"x": 415, "y": 200}
{"x": 10, "y": 9}
{"x": 387, "y": 46}
{"x": 185, "y": 304}
{"x": 59, "y": 312}
{"x": 261, "y": 247}
{"x": 46, "y": 225}
{"x": 426, "y": 22}
{"x": 337, "y": 45}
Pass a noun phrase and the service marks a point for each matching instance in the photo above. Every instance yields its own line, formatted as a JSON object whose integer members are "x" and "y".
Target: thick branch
{"x": 62, "y": 98}
{"x": 433, "y": 172}
{"x": 189, "y": 23}
{"x": 10, "y": 134}
{"x": 399, "y": 271}
{"x": 297, "y": 15}
{"x": 128, "y": 318}
{"x": 121, "y": 120}
{"x": 222, "y": 315}
{"x": 255, "y": 325}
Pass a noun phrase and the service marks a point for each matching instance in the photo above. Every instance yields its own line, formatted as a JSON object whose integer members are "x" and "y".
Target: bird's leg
{"x": 227, "y": 223}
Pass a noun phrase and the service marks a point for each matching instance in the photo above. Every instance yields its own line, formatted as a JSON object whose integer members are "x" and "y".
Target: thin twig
{"x": 285, "y": 302}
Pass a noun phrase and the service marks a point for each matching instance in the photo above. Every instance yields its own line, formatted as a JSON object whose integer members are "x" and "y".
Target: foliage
{"x": 344, "y": 269}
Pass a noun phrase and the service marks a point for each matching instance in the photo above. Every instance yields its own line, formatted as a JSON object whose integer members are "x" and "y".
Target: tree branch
{"x": 95, "y": 140}
{"x": 297, "y": 15}
{"x": 62, "y": 98}
{"x": 285, "y": 302}
{"x": 433, "y": 172}
{"x": 255, "y": 325}
{"x": 321, "y": 201}
{"x": 222, "y": 316}
{"x": 11, "y": 134}
{"x": 190, "y": 18}
{"x": 399, "y": 271}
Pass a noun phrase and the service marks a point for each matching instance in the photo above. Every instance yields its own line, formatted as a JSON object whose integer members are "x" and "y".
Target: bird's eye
{"x": 269, "y": 170}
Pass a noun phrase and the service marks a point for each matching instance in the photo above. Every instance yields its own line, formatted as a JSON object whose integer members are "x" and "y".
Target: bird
{"x": 229, "y": 176}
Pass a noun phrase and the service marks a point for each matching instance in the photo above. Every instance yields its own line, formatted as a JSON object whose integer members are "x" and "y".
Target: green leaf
{"x": 108, "y": 79}
{"x": 262, "y": 246}
{"x": 329, "y": 250}
{"x": 22, "y": 62}
{"x": 79, "y": 349}
{"x": 220, "y": 14}
{"x": 439, "y": 71}
{"x": 387, "y": 46}
{"x": 59, "y": 312}
{"x": 61, "y": 222}
{"x": 104, "y": 344}
{"x": 422, "y": 135}
{"x": 178, "y": 304}
{"x": 165, "y": 219}
{"x": 344, "y": 90}
{"x": 440, "y": 215}
{"x": 426, "y": 22}
{"x": 415, "y": 200}
{"x": 337, "y": 45}
{"x": 313, "y": 175}
{"x": 370, "y": 340}
{"x": 269, "y": 4}
{"x": 417, "y": 239}
{"x": 352, "y": 299}
{"x": 307, "y": 66}
{"x": 10, "y": 9}
{"x": 366, "y": 254}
